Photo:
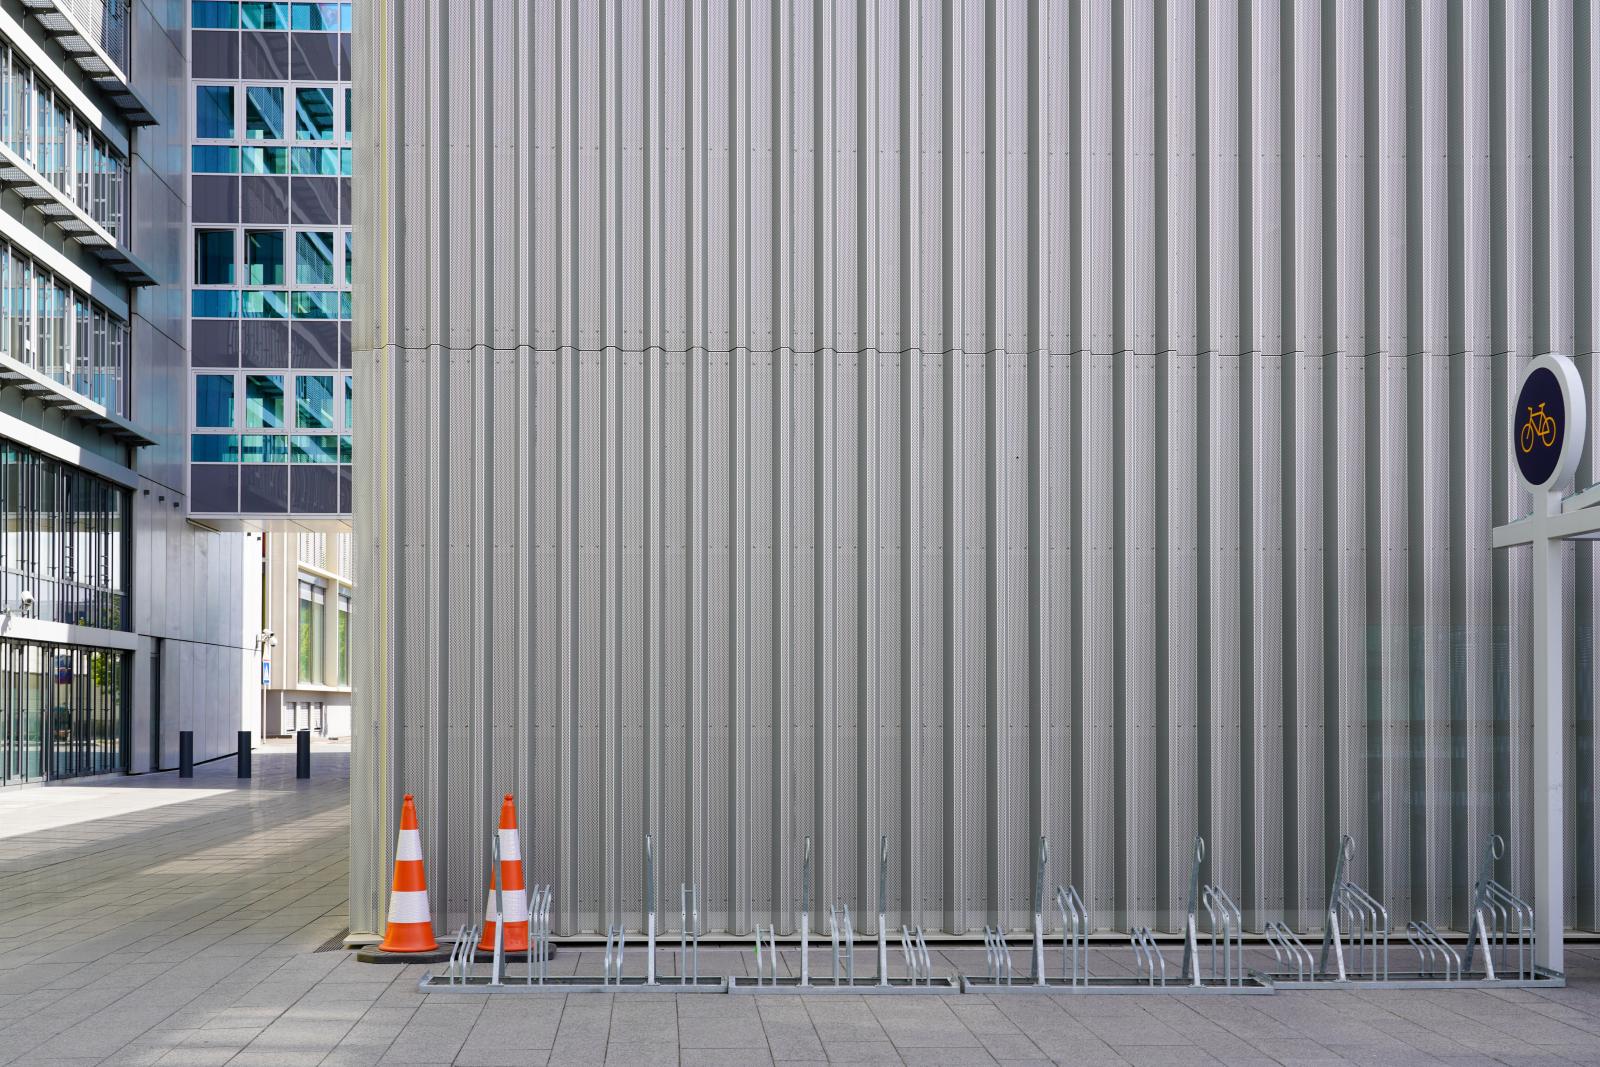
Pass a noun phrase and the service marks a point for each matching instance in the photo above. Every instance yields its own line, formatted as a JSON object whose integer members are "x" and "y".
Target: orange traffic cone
{"x": 515, "y": 891}
{"x": 410, "y": 926}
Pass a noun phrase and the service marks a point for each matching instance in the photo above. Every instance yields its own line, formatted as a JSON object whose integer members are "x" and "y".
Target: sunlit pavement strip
{"x": 187, "y": 932}
{"x": 29, "y": 810}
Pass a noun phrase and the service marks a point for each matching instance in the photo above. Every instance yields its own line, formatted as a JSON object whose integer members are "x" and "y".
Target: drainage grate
{"x": 334, "y": 943}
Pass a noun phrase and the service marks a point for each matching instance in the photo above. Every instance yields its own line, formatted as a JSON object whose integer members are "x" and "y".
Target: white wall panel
{"x": 958, "y": 422}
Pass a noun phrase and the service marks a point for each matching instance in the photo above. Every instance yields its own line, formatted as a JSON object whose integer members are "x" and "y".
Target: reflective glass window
{"x": 213, "y": 257}
{"x": 264, "y": 448}
{"x": 313, "y": 257}
{"x": 214, "y": 303}
{"x": 316, "y": 161}
{"x": 314, "y": 305}
{"x": 263, "y": 257}
{"x": 313, "y": 402}
{"x": 265, "y": 159}
{"x": 214, "y": 448}
{"x": 214, "y": 159}
{"x": 213, "y": 400}
{"x": 266, "y": 304}
{"x": 264, "y": 16}
{"x": 309, "y": 448}
{"x": 349, "y": 257}
{"x": 214, "y": 15}
{"x": 316, "y": 16}
{"x": 313, "y": 114}
{"x": 213, "y": 111}
{"x": 349, "y": 401}
{"x": 263, "y": 113}
{"x": 263, "y": 401}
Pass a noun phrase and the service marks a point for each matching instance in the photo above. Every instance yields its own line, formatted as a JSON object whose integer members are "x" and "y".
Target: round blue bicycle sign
{"x": 1548, "y": 422}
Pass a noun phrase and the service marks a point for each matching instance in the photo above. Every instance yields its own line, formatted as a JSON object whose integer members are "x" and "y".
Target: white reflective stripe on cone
{"x": 410, "y": 847}
{"x": 490, "y": 912}
{"x": 510, "y": 846}
{"x": 517, "y": 906}
{"x": 408, "y": 907}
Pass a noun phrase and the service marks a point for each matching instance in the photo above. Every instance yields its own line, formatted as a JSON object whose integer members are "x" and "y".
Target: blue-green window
{"x": 264, "y": 16}
{"x": 264, "y": 448}
{"x": 266, "y": 304}
{"x": 265, "y": 160}
{"x": 263, "y": 113}
{"x": 313, "y": 402}
{"x": 263, "y": 257}
{"x": 349, "y": 258}
{"x": 313, "y": 257}
{"x": 213, "y": 111}
{"x": 318, "y": 161}
{"x": 313, "y": 114}
{"x": 305, "y": 448}
{"x": 214, "y": 159}
{"x": 349, "y": 401}
{"x": 214, "y": 448}
{"x": 214, "y": 15}
{"x": 213, "y": 257}
{"x": 214, "y": 303}
{"x": 314, "y": 304}
{"x": 213, "y": 401}
{"x": 344, "y": 448}
{"x": 263, "y": 401}
{"x": 317, "y": 17}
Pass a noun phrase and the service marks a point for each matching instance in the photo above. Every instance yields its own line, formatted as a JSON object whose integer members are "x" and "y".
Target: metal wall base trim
{"x": 861, "y": 987}
{"x": 1252, "y": 986}
{"x": 479, "y": 983}
{"x": 1542, "y": 979}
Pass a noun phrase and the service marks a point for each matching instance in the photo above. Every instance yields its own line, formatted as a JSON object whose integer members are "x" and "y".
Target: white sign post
{"x": 1548, "y": 422}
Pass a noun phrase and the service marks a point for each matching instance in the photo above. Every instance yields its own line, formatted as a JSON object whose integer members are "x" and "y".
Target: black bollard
{"x": 244, "y": 753}
{"x": 185, "y": 753}
{"x": 302, "y": 754}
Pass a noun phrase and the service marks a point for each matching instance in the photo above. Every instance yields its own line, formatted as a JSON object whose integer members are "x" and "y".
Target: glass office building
{"x": 105, "y": 584}
{"x": 270, "y": 261}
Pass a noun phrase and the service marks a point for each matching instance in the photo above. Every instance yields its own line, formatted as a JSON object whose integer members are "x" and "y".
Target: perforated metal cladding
{"x": 962, "y": 422}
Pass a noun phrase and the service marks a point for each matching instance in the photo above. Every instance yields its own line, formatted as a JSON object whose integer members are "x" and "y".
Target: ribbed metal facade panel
{"x": 962, "y": 422}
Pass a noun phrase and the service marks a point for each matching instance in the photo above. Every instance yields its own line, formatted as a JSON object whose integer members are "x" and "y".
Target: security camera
{"x": 25, "y": 602}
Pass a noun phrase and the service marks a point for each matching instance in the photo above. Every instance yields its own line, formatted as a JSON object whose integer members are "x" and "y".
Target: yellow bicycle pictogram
{"x": 1539, "y": 425}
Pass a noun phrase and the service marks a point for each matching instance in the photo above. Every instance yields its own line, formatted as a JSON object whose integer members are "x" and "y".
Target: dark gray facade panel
{"x": 264, "y": 488}
{"x": 216, "y": 54}
{"x": 314, "y": 489}
{"x": 827, "y": 438}
{"x": 213, "y": 487}
{"x": 215, "y": 198}
{"x": 314, "y": 201}
{"x": 314, "y": 344}
{"x": 266, "y": 200}
{"x": 314, "y": 56}
{"x": 264, "y": 56}
{"x": 265, "y": 343}
{"x": 214, "y": 343}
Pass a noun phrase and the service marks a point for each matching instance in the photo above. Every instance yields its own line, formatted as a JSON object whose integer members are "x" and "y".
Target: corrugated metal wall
{"x": 961, "y": 422}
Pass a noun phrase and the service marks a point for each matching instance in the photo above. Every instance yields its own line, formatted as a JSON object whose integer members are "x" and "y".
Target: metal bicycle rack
{"x": 1150, "y": 965}
{"x": 1355, "y": 945}
{"x": 1500, "y": 921}
{"x": 461, "y": 975}
{"x": 1356, "y": 941}
{"x": 918, "y": 977}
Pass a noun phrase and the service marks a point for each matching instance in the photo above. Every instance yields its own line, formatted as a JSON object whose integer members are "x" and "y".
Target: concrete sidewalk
{"x": 204, "y": 929}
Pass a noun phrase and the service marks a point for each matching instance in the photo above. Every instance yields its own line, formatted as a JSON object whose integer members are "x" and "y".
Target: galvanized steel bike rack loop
{"x": 459, "y": 976}
{"x": 1355, "y": 943}
{"x": 919, "y": 977}
{"x": 1227, "y": 934}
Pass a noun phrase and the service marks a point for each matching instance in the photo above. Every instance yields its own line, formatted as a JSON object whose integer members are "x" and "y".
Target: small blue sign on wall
{"x": 266, "y": 672}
